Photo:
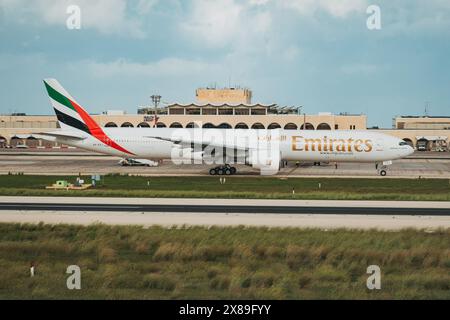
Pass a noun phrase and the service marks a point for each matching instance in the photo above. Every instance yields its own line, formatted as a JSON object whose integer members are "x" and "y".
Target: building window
{"x": 242, "y": 111}
{"x": 274, "y": 126}
{"x": 209, "y": 111}
{"x": 193, "y": 111}
{"x": 226, "y": 111}
{"x": 290, "y": 126}
{"x": 176, "y": 111}
{"x": 241, "y": 125}
{"x": 258, "y": 126}
{"x": 176, "y": 125}
{"x": 224, "y": 126}
{"x": 259, "y": 111}
{"x": 307, "y": 126}
{"x": 323, "y": 126}
{"x": 208, "y": 125}
{"x": 336, "y": 126}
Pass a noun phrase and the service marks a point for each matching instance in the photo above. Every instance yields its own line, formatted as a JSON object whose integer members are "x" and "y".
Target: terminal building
{"x": 228, "y": 108}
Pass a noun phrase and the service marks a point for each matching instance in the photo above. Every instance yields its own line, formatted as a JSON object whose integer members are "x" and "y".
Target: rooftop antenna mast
{"x": 426, "y": 108}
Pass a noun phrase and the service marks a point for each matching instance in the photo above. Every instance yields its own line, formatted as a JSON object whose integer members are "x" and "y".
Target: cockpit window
{"x": 402, "y": 143}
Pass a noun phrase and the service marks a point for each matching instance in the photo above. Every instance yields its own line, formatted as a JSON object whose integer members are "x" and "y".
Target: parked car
{"x": 422, "y": 147}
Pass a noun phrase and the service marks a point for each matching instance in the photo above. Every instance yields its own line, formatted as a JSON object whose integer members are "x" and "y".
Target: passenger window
{"x": 403, "y": 143}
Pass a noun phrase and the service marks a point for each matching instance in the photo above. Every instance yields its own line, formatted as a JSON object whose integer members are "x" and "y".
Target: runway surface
{"x": 384, "y": 215}
{"x": 249, "y": 209}
{"x": 64, "y": 164}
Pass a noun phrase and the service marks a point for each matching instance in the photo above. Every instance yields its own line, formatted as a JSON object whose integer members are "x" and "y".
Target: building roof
{"x": 424, "y": 117}
{"x": 221, "y": 105}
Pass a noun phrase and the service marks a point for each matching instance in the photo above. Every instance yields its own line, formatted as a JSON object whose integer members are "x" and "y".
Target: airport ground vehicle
{"x": 421, "y": 147}
{"x": 137, "y": 162}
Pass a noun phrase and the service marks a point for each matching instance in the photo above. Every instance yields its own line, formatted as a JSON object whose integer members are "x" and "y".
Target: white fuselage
{"x": 297, "y": 145}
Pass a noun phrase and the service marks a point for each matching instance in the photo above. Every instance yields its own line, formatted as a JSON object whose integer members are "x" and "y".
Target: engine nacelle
{"x": 267, "y": 162}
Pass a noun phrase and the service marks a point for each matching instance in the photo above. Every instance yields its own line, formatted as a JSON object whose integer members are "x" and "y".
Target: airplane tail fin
{"x": 69, "y": 113}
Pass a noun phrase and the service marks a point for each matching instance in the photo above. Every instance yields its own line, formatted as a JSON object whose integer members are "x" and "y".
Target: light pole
{"x": 156, "y": 99}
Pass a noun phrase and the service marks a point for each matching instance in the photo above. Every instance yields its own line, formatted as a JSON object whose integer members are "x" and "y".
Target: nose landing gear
{"x": 223, "y": 170}
{"x": 382, "y": 169}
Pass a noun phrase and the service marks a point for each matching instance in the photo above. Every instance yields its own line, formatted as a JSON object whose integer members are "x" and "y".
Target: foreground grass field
{"x": 221, "y": 263}
{"x": 237, "y": 187}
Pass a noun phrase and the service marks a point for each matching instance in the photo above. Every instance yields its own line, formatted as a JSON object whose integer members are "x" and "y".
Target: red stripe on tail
{"x": 95, "y": 130}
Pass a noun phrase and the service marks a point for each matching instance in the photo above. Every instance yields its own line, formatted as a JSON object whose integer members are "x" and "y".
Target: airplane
{"x": 263, "y": 149}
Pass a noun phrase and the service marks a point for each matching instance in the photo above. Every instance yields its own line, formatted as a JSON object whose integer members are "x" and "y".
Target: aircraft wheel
{"x": 383, "y": 173}
{"x": 220, "y": 171}
{"x": 212, "y": 171}
{"x": 227, "y": 172}
{"x": 233, "y": 170}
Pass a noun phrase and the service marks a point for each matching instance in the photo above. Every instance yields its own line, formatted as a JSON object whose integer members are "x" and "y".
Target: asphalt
{"x": 249, "y": 209}
{"x": 429, "y": 165}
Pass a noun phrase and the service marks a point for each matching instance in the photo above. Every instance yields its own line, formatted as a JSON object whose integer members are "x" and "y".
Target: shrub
{"x": 212, "y": 252}
{"x": 107, "y": 255}
{"x": 156, "y": 281}
{"x": 220, "y": 283}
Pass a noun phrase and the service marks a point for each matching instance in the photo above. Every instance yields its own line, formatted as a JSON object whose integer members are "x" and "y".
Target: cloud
{"x": 105, "y": 16}
{"x": 220, "y": 23}
{"x": 215, "y": 22}
{"x": 335, "y": 8}
{"x": 167, "y": 67}
{"x": 402, "y": 18}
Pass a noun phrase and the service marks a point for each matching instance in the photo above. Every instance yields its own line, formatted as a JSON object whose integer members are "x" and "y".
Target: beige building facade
{"x": 230, "y": 108}
{"x": 422, "y": 123}
{"x": 225, "y": 95}
{"x": 18, "y": 130}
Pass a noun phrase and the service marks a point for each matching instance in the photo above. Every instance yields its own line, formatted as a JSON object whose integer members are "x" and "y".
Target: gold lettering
{"x": 325, "y": 145}
{"x": 341, "y": 146}
{"x": 349, "y": 147}
{"x": 295, "y": 146}
{"x": 358, "y": 145}
{"x": 369, "y": 145}
{"x": 299, "y": 143}
{"x": 331, "y": 144}
{"x": 313, "y": 143}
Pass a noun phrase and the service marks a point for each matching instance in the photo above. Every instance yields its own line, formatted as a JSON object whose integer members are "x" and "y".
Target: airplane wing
{"x": 215, "y": 144}
{"x": 62, "y": 134}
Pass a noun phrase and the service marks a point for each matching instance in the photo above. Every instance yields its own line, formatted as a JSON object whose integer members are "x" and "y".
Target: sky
{"x": 318, "y": 54}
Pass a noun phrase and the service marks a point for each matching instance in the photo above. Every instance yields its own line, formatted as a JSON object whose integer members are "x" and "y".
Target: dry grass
{"x": 249, "y": 263}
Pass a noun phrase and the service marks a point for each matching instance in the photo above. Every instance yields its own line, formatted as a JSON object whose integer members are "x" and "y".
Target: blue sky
{"x": 314, "y": 53}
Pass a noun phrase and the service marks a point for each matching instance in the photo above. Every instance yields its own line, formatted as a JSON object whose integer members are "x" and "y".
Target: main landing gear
{"x": 223, "y": 170}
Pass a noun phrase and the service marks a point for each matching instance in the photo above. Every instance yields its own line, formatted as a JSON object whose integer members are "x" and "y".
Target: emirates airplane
{"x": 262, "y": 149}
